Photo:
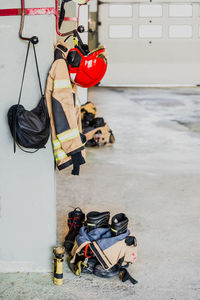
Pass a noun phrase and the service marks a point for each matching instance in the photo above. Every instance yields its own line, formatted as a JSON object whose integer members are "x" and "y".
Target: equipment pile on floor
{"x": 93, "y": 246}
{"x": 97, "y": 132}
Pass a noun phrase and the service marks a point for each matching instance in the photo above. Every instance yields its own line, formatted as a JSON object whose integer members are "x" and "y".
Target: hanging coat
{"x": 64, "y": 111}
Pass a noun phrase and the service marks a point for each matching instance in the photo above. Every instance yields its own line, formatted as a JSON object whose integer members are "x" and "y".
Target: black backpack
{"x": 29, "y": 129}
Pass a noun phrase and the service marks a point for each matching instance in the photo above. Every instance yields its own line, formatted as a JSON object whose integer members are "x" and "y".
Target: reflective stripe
{"x": 60, "y": 84}
{"x": 56, "y": 144}
{"x": 90, "y": 224}
{"x": 68, "y": 135}
{"x": 78, "y": 103}
{"x": 113, "y": 229}
{"x": 59, "y": 155}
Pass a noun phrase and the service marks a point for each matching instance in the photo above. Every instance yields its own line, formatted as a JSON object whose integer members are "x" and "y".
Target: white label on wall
{"x": 180, "y": 31}
{"x": 180, "y": 10}
{"x": 120, "y": 31}
{"x": 150, "y": 31}
{"x": 147, "y": 10}
{"x": 120, "y": 11}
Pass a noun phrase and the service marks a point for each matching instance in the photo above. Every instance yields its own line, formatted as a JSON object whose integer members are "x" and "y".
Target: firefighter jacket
{"x": 107, "y": 249}
{"x": 64, "y": 111}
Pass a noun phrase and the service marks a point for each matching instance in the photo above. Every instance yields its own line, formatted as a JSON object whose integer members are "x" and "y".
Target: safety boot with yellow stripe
{"x": 119, "y": 224}
{"x": 97, "y": 219}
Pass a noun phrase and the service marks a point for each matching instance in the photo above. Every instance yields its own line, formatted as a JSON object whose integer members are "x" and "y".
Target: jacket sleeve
{"x": 64, "y": 111}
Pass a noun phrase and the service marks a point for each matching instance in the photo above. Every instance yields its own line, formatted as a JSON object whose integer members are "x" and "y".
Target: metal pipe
{"x": 39, "y": 11}
{"x": 22, "y": 22}
{"x": 57, "y": 20}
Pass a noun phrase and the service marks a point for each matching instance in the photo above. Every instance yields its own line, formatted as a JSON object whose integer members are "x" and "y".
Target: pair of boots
{"x": 94, "y": 220}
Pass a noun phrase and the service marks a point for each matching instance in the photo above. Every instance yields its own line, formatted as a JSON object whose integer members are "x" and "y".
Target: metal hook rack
{"x": 38, "y": 11}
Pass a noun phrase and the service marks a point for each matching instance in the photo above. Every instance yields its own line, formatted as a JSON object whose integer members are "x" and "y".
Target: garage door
{"x": 150, "y": 43}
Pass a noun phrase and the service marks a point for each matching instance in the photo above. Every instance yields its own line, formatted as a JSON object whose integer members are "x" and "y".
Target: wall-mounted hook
{"x": 58, "y": 23}
{"x": 34, "y": 39}
{"x": 41, "y": 11}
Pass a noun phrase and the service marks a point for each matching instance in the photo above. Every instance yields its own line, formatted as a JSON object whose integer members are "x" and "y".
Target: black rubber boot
{"x": 100, "y": 272}
{"x": 96, "y": 219}
{"x": 119, "y": 224}
{"x": 75, "y": 221}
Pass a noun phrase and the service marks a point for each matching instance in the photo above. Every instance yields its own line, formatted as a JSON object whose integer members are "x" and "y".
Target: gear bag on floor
{"x": 113, "y": 253}
{"x": 97, "y": 132}
{"x": 107, "y": 249}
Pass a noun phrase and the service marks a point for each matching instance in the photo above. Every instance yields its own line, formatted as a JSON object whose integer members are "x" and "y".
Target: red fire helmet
{"x": 87, "y": 70}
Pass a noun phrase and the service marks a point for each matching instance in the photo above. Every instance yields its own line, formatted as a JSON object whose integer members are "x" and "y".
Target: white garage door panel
{"x": 144, "y": 74}
{"x": 120, "y": 10}
{"x": 151, "y": 43}
{"x": 148, "y": 10}
{"x": 120, "y": 31}
{"x": 140, "y": 53}
{"x": 180, "y": 10}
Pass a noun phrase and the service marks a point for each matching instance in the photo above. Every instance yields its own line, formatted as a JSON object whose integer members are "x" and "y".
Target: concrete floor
{"x": 152, "y": 174}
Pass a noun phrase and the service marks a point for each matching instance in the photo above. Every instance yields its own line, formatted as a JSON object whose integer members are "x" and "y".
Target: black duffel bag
{"x": 30, "y": 129}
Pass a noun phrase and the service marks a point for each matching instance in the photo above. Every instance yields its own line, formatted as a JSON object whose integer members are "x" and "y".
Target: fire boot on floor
{"x": 119, "y": 224}
{"x": 97, "y": 219}
{"x": 75, "y": 221}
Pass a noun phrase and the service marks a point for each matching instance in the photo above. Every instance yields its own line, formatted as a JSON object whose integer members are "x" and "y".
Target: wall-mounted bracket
{"x": 40, "y": 11}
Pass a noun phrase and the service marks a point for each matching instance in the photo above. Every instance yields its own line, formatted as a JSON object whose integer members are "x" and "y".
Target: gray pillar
{"x": 27, "y": 181}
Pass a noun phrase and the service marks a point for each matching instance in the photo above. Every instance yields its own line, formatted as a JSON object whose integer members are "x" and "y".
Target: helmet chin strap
{"x": 72, "y": 76}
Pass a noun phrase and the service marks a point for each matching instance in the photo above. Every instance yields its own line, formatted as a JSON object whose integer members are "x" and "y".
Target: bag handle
{"x": 37, "y": 68}
{"x": 25, "y": 64}
{"x": 20, "y": 93}
{"x": 38, "y": 73}
{"x": 32, "y": 40}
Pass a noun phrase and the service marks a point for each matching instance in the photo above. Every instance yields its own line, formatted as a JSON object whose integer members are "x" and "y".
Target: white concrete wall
{"x": 27, "y": 181}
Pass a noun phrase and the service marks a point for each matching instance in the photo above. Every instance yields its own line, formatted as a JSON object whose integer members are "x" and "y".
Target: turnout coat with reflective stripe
{"x": 107, "y": 249}
{"x": 64, "y": 110}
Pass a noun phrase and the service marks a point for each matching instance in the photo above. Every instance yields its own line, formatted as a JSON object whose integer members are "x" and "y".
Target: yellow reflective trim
{"x": 68, "y": 132}
{"x": 68, "y": 135}
{"x": 78, "y": 103}
{"x": 90, "y": 224}
{"x": 75, "y": 40}
{"x": 60, "y": 84}
{"x": 59, "y": 155}
{"x": 56, "y": 144}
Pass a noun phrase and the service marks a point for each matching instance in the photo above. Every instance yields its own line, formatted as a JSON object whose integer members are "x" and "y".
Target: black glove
{"x": 77, "y": 160}
{"x": 83, "y": 138}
